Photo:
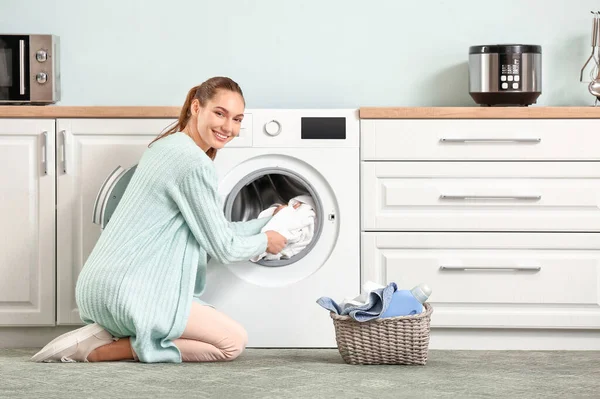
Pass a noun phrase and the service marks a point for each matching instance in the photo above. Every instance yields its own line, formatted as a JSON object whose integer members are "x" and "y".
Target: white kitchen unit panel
{"x": 480, "y": 196}
{"x": 472, "y": 139}
{"x": 494, "y": 280}
{"x": 28, "y": 222}
{"x": 88, "y": 151}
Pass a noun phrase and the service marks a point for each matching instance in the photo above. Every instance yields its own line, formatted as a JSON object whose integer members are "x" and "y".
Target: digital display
{"x": 323, "y": 128}
{"x": 510, "y": 72}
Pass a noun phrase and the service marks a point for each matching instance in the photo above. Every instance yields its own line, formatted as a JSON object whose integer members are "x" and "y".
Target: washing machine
{"x": 281, "y": 154}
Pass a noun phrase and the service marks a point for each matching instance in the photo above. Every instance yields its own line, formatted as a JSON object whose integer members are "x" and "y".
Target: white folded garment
{"x": 296, "y": 225}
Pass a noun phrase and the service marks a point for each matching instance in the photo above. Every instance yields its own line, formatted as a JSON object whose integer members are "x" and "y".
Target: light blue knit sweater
{"x": 150, "y": 261}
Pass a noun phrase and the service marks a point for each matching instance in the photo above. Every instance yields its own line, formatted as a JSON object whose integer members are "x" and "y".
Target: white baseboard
{"x": 507, "y": 339}
{"x": 30, "y": 337}
{"x": 445, "y": 339}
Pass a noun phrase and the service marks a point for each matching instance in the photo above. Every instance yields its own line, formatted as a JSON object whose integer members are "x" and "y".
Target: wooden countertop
{"x": 57, "y": 111}
{"x": 533, "y": 112}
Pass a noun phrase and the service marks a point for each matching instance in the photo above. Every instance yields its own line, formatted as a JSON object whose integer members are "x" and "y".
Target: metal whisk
{"x": 595, "y": 43}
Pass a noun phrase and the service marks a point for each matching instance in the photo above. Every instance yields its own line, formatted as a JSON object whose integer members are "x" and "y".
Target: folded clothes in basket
{"x": 377, "y": 303}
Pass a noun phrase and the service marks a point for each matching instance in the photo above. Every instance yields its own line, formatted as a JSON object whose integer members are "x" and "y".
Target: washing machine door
{"x": 268, "y": 187}
{"x": 110, "y": 194}
{"x": 262, "y": 181}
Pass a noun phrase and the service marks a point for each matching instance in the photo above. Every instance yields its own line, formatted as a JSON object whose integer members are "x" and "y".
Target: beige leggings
{"x": 210, "y": 336}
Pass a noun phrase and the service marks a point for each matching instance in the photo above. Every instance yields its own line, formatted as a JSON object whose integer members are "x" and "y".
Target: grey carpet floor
{"x": 310, "y": 373}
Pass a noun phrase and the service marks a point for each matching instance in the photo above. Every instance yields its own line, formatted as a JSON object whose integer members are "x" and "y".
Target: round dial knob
{"x": 41, "y": 77}
{"x": 273, "y": 128}
{"x": 41, "y": 56}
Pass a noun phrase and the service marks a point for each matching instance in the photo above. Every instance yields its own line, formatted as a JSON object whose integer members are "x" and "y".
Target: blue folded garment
{"x": 377, "y": 303}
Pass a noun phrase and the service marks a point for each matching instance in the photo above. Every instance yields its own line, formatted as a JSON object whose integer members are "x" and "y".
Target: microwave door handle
{"x": 22, "y": 67}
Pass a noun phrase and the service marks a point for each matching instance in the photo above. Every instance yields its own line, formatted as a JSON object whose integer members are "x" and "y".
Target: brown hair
{"x": 203, "y": 93}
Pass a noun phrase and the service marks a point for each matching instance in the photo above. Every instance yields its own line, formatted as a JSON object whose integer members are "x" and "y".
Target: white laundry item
{"x": 302, "y": 199}
{"x": 363, "y": 298}
{"x": 297, "y": 225}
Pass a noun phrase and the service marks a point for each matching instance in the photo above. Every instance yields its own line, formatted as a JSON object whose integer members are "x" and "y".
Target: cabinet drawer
{"x": 511, "y": 139}
{"x": 480, "y": 196}
{"x": 494, "y": 279}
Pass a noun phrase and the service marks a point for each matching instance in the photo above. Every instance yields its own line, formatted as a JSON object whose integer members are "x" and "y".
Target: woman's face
{"x": 219, "y": 121}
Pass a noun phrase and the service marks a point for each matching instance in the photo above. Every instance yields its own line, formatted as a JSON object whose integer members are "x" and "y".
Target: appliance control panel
{"x": 510, "y": 72}
{"x": 302, "y": 128}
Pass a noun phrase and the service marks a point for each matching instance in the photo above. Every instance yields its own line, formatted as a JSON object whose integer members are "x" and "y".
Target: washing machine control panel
{"x": 313, "y": 128}
{"x": 300, "y": 128}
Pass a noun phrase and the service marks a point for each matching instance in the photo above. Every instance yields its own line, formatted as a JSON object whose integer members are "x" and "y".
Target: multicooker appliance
{"x": 505, "y": 74}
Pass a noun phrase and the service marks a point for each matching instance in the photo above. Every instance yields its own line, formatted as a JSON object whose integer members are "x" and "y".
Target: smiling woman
{"x": 139, "y": 289}
{"x": 211, "y": 115}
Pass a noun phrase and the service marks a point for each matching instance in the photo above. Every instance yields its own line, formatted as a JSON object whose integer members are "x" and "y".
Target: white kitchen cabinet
{"x": 88, "y": 150}
{"x": 27, "y": 222}
{"x": 481, "y": 196}
{"x": 476, "y": 139}
{"x": 500, "y": 217}
{"x": 494, "y": 280}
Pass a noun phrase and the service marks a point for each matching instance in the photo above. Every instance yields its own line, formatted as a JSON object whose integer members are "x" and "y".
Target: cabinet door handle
{"x": 21, "y": 67}
{"x": 492, "y": 140}
{"x": 45, "y": 152}
{"x": 491, "y": 197}
{"x": 491, "y": 268}
{"x": 64, "y": 151}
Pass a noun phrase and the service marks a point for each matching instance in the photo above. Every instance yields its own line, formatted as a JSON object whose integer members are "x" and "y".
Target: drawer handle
{"x": 492, "y": 268}
{"x": 492, "y": 197}
{"x": 466, "y": 141}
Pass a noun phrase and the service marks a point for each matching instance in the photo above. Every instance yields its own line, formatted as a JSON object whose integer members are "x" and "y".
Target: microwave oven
{"x": 29, "y": 69}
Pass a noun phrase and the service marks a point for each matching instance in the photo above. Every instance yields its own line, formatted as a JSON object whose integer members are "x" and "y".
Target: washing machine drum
{"x": 262, "y": 189}
{"x": 110, "y": 194}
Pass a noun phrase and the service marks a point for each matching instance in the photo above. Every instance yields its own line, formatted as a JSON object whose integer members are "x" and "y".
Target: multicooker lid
{"x": 505, "y": 48}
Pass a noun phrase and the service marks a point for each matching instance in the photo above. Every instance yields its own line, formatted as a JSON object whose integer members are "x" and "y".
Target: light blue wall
{"x": 309, "y": 53}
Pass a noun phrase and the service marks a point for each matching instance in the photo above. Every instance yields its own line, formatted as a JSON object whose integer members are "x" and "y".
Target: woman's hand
{"x": 275, "y": 242}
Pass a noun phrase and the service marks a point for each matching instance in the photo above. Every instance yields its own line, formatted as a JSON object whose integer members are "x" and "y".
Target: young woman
{"x": 138, "y": 291}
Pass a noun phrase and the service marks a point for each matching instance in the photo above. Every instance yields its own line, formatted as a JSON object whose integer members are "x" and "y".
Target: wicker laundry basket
{"x": 394, "y": 340}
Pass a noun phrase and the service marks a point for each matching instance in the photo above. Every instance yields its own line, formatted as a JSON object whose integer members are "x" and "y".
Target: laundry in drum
{"x": 296, "y": 223}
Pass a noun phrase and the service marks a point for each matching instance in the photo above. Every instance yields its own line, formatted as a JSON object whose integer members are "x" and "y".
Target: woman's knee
{"x": 235, "y": 344}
